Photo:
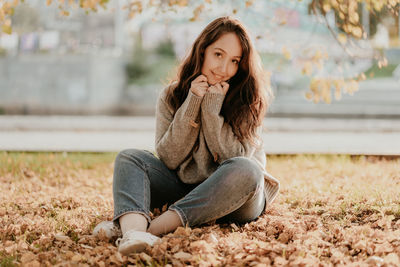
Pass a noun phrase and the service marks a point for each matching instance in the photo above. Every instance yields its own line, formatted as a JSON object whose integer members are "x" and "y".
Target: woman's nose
{"x": 224, "y": 67}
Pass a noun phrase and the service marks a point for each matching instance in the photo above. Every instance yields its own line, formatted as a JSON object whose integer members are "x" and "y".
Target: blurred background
{"x": 89, "y": 81}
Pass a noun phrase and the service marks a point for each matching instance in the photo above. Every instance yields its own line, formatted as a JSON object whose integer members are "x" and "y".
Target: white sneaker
{"x": 135, "y": 242}
{"x": 109, "y": 229}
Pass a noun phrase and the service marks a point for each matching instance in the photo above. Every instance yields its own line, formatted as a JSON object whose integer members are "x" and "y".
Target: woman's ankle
{"x": 133, "y": 221}
{"x": 165, "y": 223}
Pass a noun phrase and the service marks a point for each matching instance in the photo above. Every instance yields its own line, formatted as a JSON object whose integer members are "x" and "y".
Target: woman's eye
{"x": 235, "y": 61}
{"x": 218, "y": 54}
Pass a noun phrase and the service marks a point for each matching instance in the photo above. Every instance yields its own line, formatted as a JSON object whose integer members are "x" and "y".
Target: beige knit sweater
{"x": 195, "y": 140}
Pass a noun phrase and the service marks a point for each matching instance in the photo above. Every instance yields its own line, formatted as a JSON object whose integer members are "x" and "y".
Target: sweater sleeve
{"x": 177, "y": 134}
{"x": 220, "y": 139}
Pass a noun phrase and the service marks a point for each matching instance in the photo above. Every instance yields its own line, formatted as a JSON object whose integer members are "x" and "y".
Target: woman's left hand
{"x": 219, "y": 88}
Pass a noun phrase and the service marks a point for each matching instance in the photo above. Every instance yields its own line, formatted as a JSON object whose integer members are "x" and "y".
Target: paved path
{"x": 281, "y": 136}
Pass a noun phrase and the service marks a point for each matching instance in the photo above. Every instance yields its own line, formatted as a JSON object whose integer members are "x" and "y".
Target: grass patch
{"x": 375, "y": 72}
{"x": 29, "y": 164}
{"x": 7, "y": 260}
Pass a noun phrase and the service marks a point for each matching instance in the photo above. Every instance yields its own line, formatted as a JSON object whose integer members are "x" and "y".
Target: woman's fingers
{"x": 199, "y": 85}
{"x": 200, "y": 81}
{"x": 211, "y": 88}
{"x": 225, "y": 87}
{"x": 219, "y": 88}
{"x": 200, "y": 78}
{"x": 203, "y": 84}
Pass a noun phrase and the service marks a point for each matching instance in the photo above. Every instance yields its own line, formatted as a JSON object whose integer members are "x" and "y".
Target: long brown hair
{"x": 245, "y": 103}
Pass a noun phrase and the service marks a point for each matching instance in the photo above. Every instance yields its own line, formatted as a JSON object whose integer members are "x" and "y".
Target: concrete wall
{"x": 72, "y": 84}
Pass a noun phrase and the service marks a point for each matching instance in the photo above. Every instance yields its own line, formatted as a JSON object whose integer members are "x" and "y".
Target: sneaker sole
{"x": 133, "y": 248}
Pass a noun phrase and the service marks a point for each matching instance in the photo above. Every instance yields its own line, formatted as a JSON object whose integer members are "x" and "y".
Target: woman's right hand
{"x": 199, "y": 85}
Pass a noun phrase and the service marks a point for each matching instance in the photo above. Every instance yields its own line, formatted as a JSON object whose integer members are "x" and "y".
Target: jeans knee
{"x": 130, "y": 157}
{"x": 127, "y": 163}
{"x": 128, "y": 153}
{"x": 248, "y": 170}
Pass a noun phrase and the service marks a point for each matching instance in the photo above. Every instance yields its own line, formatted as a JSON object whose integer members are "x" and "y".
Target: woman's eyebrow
{"x": 225, "y": 52}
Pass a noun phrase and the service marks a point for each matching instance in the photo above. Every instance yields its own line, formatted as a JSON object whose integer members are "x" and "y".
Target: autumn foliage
{"x": 348, "y": 12}
{"x": 332, "y": 210}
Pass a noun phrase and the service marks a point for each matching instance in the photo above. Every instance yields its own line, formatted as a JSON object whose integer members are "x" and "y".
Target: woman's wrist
{"x": 213, "y": 102}
{"x": 196, "y": 93}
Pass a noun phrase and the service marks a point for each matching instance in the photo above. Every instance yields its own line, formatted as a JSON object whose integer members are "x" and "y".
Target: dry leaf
{"x": 28, "y": 257}
{"x": 145, "y": 257}
{"x": 234, "y": 227}
{"x": 53, "y": 223}
{"x": 34, "y": 263}
{"x": 61, "y": 237}
{"x": 392, "y": 258}
{"x": 76, "y": 258}
{"x": 375, "y": 260}
{"x": 183, "y": 256}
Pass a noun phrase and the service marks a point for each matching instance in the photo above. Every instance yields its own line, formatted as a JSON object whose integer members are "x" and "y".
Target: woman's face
{"x": 221, "y": 59}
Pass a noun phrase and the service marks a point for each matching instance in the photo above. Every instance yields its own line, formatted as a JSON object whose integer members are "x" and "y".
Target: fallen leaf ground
{"x": 332, "y": 211}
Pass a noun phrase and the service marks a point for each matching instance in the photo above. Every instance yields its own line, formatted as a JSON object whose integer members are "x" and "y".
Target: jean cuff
{"x": 126, "y": 211}
{"x": 180, "y": 213}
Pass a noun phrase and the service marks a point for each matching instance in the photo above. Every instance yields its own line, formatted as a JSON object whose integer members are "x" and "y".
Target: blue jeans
{"x": 233, "y": 193}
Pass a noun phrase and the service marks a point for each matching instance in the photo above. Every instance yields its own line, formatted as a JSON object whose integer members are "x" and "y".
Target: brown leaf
{"x": 34, "y": 263}
{"x": 10, "y": 249}
{"x": 234, "y": 226}
{"x": 116, "y": 258}
{"x": 360, "y": 245}
{"x": 145, "y": 257}
{"x": 22, "y": 245}
{"x": 202, "y": 246}
{"x": 211, "y": 238}
{"x": 76, "y": 258}
{"x": 279, "y": 261}
{"x": 183, "y": 231}
{"x": 375, "y": 260}
{"x": 384, "y": 248}
{"x": 61, "y": 237}
{"x": 28, "y": 173}
{"x": 239, "y": 256}
{"x": 3, "y": 211}
{"x": 183, "y": 256}
{"x": 284, "y": 237}
{"x": 392, "y": 258}
{"x": 119, "y": 257}
{"x": 28, "y": 257}
{"x": 69, "y": 254}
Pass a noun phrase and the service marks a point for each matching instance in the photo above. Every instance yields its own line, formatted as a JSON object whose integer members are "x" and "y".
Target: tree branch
{"x": 337, "y": 40}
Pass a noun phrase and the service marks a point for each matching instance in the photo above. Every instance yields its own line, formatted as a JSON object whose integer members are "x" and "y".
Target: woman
{"x": 211, "y": 163}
